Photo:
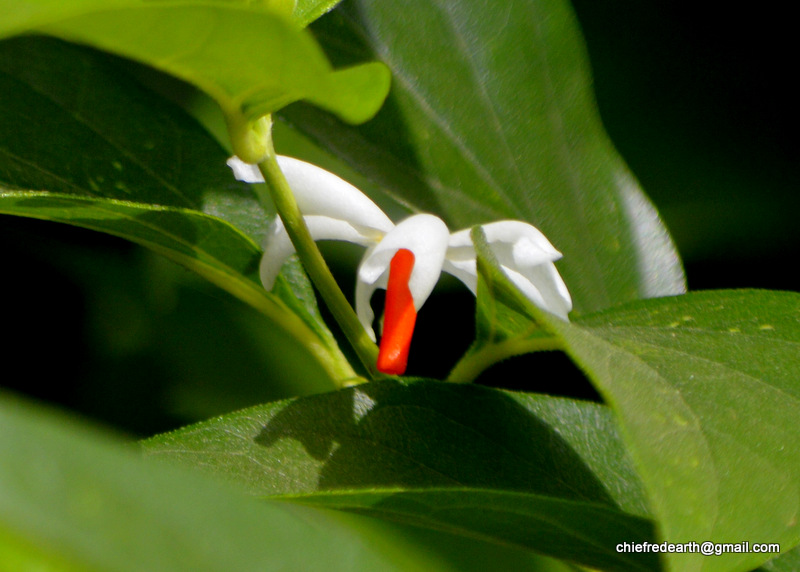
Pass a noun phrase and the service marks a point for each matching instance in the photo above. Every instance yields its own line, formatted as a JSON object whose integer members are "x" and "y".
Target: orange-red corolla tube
{"x": 399, "y": 316}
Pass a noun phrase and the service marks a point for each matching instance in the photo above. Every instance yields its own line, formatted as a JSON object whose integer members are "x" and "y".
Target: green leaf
{"x": 577, "y": 532}
{"x": 73, "y": 500}
{"x": 306, "y": 11}
{"x": 135, "y": 147}
{"x": 514, "y": 469}
{"x": 490, "y": 117}
{"x": 706, "y": 390}
{"x": 250, "y": 60}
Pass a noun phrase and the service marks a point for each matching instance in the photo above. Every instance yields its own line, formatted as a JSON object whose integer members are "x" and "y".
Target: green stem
{"x": 314, "y": 264}
{"x": 472, "y": 364}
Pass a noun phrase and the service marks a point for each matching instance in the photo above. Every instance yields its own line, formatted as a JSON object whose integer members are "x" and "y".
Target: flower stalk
{"x": 313, "y": 262}
{"x": 406, "y": 258}
{"x": 474, "y": 363}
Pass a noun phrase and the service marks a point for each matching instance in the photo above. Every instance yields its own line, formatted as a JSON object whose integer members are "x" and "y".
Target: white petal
{"x": 245, "y": 171}
{"x": 460, "y": 259}
{"x": 512, "y": 231}
{"x": 278, "y": 246}
{"x": 543, "y": 286}
{"x": 332, "y": 208}
{"x": 319, "y": 192}
{"x": 516, "y": 243}
{"x": 525, "y": 256}
{"x": 427, "y": 237}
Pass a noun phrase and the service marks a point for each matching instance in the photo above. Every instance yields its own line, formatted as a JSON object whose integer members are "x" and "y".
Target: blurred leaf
{"x": 450, "y": 457}
{"x": 491, "y": 116}
{"x": 250, "y": 60}
{"x": 81, "y": 502}
{"x": 133, "y": 146}
{"x": 464, "y": 554}
{"x": 706, "y": 390}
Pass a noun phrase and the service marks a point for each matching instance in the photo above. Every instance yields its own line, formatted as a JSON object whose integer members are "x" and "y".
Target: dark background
{"x": 699, "y": 100}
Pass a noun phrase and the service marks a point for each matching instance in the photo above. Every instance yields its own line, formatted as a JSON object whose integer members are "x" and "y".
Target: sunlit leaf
{"x": 306, "y": 11}
{"x": 252, "y": 61}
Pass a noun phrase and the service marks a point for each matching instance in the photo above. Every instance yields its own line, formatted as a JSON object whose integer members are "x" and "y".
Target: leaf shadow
{"x": 429, "y": 434}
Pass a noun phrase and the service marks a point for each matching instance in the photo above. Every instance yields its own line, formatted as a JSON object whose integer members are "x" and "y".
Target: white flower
{"x": 525, "y": 256}
{"x": 335, "y": 210}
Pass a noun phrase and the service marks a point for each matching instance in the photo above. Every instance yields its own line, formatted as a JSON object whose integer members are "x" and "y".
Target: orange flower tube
{"x": 399, "y": 317}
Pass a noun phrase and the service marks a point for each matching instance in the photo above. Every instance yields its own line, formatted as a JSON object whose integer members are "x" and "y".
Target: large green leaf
{"x": 73, "y": 500}
{"x": 707, "y": 389}
{"x": 251, "y": 60}
{"x": 542, "y": 473}
{"x": 491, "y": 116}
{"x": 707, "y": 392}
{"x": 113, "y": 157}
